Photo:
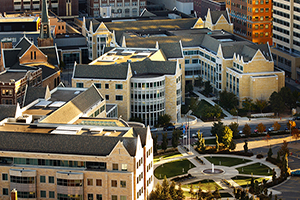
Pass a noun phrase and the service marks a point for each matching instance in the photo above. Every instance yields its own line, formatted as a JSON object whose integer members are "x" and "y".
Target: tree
{"x": 155, "y": 143}
{"x": 247, "y": 104}
{"x": 288, "y": 98}
{"x": 284, "y": 149}
{"x": 234, "y": 126}
{"x": 276, "y": 102}
{"x": 227, "y": 137}
{"x": 199, "y": 82}
{"x": 273, "y": 175}
{"x": 172, "y": 191}
{"x": 217, "y": 128}
{"x": 228, "y": 100}
{"x": 276, "y": 126}
{"x": 247, "y": 130}
{"x": 194, "y": 104}
{"x": 175, "y": 137}
{"x": 192, "y": 193}
{"x": 164, "y": 144}
{"x": 207, "y": 88}
{"x": 285, "y": 165}
{"x": 246, "y": 146}
{"x": 164, "y": 120}
{"x": 189, "y": 88}
{"x": 156, "y": 194}
{"x": 165, "y": 194}
{"x": 296, "y": 133}
{"x": 216, "y": 193}
{"x": 200, "y": 142}
{"x": 270, "y": 153}
{"x": 217, "y": 143}
{"x": 261, "y": 128}
{"x": 180, "y": 193}
{"x": 261, "y": 104}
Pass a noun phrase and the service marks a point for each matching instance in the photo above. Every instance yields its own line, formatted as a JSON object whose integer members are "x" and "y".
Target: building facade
{"x": 201, "y": 6}
{"x": 115, "y": 8}
{"x": 252, "y": 19}
{"x": 286, "y": 36}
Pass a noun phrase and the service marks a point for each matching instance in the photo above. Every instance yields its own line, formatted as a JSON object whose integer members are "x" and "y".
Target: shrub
{"x": 259, "y": 156}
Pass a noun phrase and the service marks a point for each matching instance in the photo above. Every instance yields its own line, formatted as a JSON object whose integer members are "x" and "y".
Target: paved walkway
{"x": 227, "y": 172}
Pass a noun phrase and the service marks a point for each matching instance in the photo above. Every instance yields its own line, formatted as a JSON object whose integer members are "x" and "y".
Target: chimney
{"x": 13, "y": 194}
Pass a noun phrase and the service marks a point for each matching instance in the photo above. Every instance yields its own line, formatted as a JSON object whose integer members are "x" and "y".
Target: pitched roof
{"x": 148, "y": 66}
{"x": 32, "y": 94}
{"x": 51, "y": 54}
{"x": 24, "y": 44}
{"x": 76, "y": 107}
{"x": 7, "y": 111}
{"x": 142, "y": 132}
{"x": 146, "y": 13}
{"x": 63, "y": 144}
{"x": 215, "y": 15}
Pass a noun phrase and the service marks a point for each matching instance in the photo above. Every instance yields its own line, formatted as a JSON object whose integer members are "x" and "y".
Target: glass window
{"x": 256, "y": 10}
{"x": 98, "y": 182}
{"x": 267, "y": 26}
{"x": 90, "y": 182}
{"x": 123, "y": 184}
{"x": 119, "y": 97}
{"x": 51, "y": 179}
{"x": 124, "y": 167}
{"x": 187, "y": 61}
{"x": 4, "y": 177}
{"x": 43, "y": 194}
{"x": 119, "y": 86}
{"x": 261, "y": 10}
{"x": 42, "y": 179}
{"x": 114, "y": 183}
{"x": 90, "y": 196}
{"x": 106, "y": 86}
{"x": 99, "y": 196}
{"x": 107, "y": 97}
{"x": 5, "y": 191}
{"x": 79, "y": 85}
{"x": 114, "y": 197}
{"x": 51, "y": 194}
{"x": 115, "y": 166}
{"x": 122, "y": 197}
{"x": 98, "y": 85}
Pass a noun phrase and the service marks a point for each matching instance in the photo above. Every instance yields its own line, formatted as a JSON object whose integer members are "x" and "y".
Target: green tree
{"x": 180, "y": 193}
{"x": 217, "y": 128}
{"x": 270, "y": 152}
{"x": 284, "y": 149}
{"x": 199, "y": 82}
{"x": 194, "y": 104}
{"x": 247, "y": 130}
{"x": 216, "y": 193}
{"x": 157, "y": 193}
{"x": 273, "y": 175}
{"x": 276, "y": 103}
{"x": 189, "y": 88}
{"x": 164, "y": 144}
{"x": 164, "y": 120}
{"x": 261, "y": 104}
{"x": 217, "y": 143}
{"x": 234, "y": 126}
{"x": 227, "y": 137}
{"x": 228, "y": 100}
{"x": 288, "y": 98}
{"x": 207, "y": 88}
{"x": 154, "y": 143}
{"x": 247, "y": 104}
{"x": 172, "y": 191}
{"x": 165, "y": 194}
{"x": 232, "y": 145}
{"x": 175, "y": 137}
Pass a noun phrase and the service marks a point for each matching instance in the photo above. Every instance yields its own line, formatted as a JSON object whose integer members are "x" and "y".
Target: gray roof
{"x": 9, "y": 75}
{"x": 24, "y": 44}
{"x": 119, "y": 71}
{"x": 51, "y": 55}
{"x": 142, "y": 132}
{"x": 33, "y": 93}
{"x": 146, "y": 13}
{"x": 7, "y": 111}
{"x": 215, "y": 15}
{"x": 63, "y": 144}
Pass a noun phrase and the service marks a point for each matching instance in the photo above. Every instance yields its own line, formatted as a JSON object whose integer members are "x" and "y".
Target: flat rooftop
{"x": 9, "y": 75}
{"x": 18, "y": 19}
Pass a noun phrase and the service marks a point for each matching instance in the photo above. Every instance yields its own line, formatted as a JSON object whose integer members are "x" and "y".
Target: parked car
{"x": 295, "y": 173}
{"x": 241, "y": 134}
{"x": 169, "y": 128}
{"x": 296, "y": 118}
{"x": 153, "y": 129}
{"x": 181, "y": 127}
{"x": 271, "y": 129}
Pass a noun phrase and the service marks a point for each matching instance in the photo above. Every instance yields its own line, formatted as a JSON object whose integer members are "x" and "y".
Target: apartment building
{"x": 252, "y": 19}
{"x": 139, "y": 80}
{"x": 286, "y": 37}
{"x": 115, "y": 8}
{"x": 59, "y": 7}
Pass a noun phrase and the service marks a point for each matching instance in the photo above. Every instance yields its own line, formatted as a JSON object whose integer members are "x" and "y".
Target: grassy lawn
{"x": 167, "y": 156}
{"x": 206, "y": 184}
{"x": 210, "y": 141}
{"x": 243, "y": 181}
{"x": 255, "y": 169}
{"x": 172, "y": 169}
{"x": 226, "y": 161}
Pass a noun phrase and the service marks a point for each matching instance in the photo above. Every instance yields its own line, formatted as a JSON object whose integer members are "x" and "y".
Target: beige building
{"x": 140, "y": 81}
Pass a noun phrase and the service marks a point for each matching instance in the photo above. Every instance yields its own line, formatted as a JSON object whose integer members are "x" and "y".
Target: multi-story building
{"x": 60, "y": 7}
{"x": 139, "y": 80}
{"x": 252, "y": 19}
{"x": 185, "y": 6}
{"x": 201, "y": 6}
{"x": 115, "y": 8}
{"x": 286, "y": 37}
{"x": 102, "y": 159}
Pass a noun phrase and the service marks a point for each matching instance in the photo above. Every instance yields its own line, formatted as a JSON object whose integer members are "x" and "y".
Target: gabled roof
{"x": 146, "y": 13}
{"x": 76, "y": 107}
{"x": 63, "y": 144}
{"x": 50, "y": 51}
{"x": 24, "y": 44}
{"x": 7, "y": 111}
{"x": 142, "y": 132}
{"x": 11, "y": 57}
{"x": 215, "y": 15}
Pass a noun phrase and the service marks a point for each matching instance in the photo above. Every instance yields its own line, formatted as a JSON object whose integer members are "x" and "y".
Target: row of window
{"x": 239, "y": 67}
{"x": 197, "y": 52}
{"x": 261, "y": 26}
{"x": 261, "y": 10}
{"x": 98, "y": 85}
{"x": 120, "y": 4}
{"x": 7, "y": 92}
{"x": 147, "y": 108}
{"x": 262, "y": 34}
{"x": 281, "y": 21}
{"x": 98, "y": 111}
{"x": 281, "y": 38}
{"x": 147, "y": 85}
{"x": 281, "y": 30}
{"x": 148, "y": 96}
{"x": 281, "y": 14}
{"x": 280, "y": 5}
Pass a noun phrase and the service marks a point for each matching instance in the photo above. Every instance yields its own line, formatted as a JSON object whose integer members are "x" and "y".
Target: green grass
{"x": 245, "y": 181}
{"x": 172, "y": 169}
{"x": 210, "y": 141}
{"x": 226, "y": 161}
{"x": 256, "y": 169}
{"x": 206, "y": 184}
{"x": 167, "y": 156}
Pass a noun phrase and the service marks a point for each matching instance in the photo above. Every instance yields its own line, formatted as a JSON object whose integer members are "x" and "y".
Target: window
{"x": 266, "y": 34}
{"x": 267, "y": 26}
{"x": 98, "y": 182}
{"x": 43, "y": 194}
{"x": 114, "y": 183}
{"x": 42, "y": 179}
{"x": 119, "y": 86}
{"x": 98, "y": 85}
{"x": 122, "y": 197}
{"x": 5, "y": 191}
{"x": 256, "y": 26}
{"x": 114, "y": 197}
{"x": 267, "y": 9}
{"x": 262, "y": 18}
{"x": 4, "y": 177}
{"x": 124, "y": 167}
{"x": 187, "y": 61}
{"x": 79, "y": 85}
{"x": 51, "y": 194}
{"x": 261, "y": 10}
{"x": 99, "y": 197}
{"x": 256, "y": 10}
{"x": 115, "y": 166}
{"x": 90, "y": 197}
{"x": 90, "y": 182}
{"x": 123, "y": 184}
{"x": 107, "y": 97}
{"x": 195, "y": 61}
{"x": 261, "y": 26}
{"x": 119, "y": 97}
{"x": 51, "y": 179}
{"x": 106, "y": 86}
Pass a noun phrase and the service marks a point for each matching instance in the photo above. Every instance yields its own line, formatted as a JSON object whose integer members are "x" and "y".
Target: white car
{"x": 153, "y": 129}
